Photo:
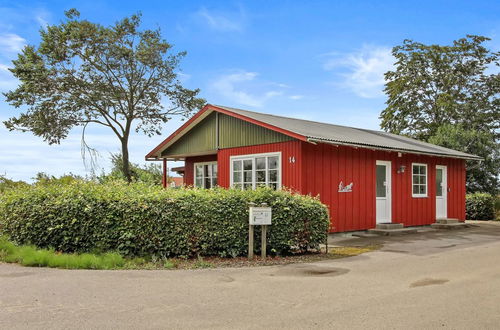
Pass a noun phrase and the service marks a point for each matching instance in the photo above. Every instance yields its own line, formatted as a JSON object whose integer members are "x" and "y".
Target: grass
{"x": 351, "y": 251}
{"x": 32, "y": 256}
{"x": 27, "y": 255}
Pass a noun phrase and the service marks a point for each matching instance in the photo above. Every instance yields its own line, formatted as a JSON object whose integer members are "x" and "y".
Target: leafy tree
{"x": 84, "y": 73}
{"x": 435, "y": 87}
{"x": 481, "y": 176}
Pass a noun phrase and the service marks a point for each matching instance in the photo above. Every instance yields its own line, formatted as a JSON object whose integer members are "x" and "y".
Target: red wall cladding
{"x": 318, "y": 169}
{"x": 291, "y": 176}
{"x": 325, "y": 166}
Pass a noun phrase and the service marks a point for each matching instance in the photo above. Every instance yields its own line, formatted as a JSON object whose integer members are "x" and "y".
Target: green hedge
{"x": 140, "y": 220}
{"x": 480, "y": 206}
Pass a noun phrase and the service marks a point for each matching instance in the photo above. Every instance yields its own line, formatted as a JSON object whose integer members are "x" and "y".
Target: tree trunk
{"x": 125, "y": 160}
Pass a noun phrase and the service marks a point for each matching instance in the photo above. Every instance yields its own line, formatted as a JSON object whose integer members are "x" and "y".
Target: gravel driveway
{"x": 434, "y": 280}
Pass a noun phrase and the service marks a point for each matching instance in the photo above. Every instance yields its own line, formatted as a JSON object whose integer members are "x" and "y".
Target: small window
{"x": 205, "y": 175}
{"x": 419, "y": 180}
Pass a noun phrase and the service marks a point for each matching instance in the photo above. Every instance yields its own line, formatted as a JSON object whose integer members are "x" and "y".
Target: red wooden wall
{"x": 324, "y": 166}
{"x": 291, "y": 176}
{"x": 318, "y": 170}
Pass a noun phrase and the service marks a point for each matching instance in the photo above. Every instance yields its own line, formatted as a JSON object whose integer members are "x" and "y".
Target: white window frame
{"x": 254, "y": 177}
{"x": 203, "y": 178}
{"x": 419, "y": 184}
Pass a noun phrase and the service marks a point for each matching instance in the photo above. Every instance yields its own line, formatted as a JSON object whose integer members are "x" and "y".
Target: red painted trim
{"x": 260, "y": 123}
{"x": 229, "y": 113}
{"x": 164, "y": 176}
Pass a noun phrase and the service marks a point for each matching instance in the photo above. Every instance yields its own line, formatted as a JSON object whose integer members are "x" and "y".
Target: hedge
{"x": 141, "y": 220}
{"x": 480, "y": 206}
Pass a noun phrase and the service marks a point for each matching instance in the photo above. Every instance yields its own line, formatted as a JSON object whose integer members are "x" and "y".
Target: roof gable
{"x": 212, "y": 131}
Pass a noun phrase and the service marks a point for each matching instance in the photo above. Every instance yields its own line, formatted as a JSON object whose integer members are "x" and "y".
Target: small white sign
{"x": 260, "y": 216}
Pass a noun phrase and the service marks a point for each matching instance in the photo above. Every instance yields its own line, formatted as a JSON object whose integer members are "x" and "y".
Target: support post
{"x": 263, "y": 243}
{"x": 164, "y": 176}
{"x": 250, "y": 241}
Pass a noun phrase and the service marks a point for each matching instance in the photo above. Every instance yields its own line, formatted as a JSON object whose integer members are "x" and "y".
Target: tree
{"x": 481, "y": 176}
{"x": 434, "y": 88}
{"x": 84, "y": 73}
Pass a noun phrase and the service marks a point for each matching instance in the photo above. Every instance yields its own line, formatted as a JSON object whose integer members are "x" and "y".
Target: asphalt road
{"x": 447, "y": 280}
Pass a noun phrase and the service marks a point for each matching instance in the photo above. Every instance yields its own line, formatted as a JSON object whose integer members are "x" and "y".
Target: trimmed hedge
{"x": 480, "y": 206}
{"x": 140, "y": 220}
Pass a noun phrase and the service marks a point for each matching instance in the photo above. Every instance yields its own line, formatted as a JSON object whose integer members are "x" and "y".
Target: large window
{"x": 251, "y": 171}
{"x": 419, "y": 180}
{"x": 205, "y": 175}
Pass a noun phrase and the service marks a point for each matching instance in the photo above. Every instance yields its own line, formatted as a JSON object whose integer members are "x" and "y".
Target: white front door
{"x": 441, "y": 192}
{"x": 383, "y": 191}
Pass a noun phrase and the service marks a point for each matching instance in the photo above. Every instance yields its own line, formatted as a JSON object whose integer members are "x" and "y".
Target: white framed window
{"x": 205, "y": 175}
{"x": 252, "y": 171}
{"x": 419, "y": 180}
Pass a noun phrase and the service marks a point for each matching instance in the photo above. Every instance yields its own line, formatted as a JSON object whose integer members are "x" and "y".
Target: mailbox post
{"x": 258, "y": 216}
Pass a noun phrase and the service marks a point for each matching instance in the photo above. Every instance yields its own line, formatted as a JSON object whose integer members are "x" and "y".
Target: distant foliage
{"x": 144, "y": 220}
{"x": 480, "y": 206}
{"x": 43, "y": 178}
{"x": 151, "y": 173}
{"x": 6, "y": 183}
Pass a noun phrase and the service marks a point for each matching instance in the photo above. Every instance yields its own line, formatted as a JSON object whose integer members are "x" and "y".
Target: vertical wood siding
{"x": 325, "y": 166}
{"x": 291, "y": 172}
{"x": 318, "y": 170}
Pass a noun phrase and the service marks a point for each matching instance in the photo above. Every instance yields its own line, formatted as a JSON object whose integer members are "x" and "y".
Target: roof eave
{"x": 382, "y": 148}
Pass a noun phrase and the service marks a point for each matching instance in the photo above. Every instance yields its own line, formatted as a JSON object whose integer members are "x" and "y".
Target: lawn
{"x": 27, "y": 255}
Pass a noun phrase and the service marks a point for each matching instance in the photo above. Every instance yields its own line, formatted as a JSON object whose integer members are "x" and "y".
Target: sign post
{"x": 258, "y": 216}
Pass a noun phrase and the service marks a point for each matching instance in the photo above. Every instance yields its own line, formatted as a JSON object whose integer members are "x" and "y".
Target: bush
{"x": 141, "y": 220}
{"x": 480, "y": 206}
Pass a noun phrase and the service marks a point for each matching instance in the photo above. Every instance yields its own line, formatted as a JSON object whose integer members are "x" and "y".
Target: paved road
{"x": 432, "y": 280}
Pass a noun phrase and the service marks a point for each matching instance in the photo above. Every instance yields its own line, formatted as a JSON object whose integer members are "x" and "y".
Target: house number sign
{"x": 347, "y": 188}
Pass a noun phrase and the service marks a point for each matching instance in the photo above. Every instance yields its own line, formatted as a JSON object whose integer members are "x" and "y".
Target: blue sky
{"x": 318, "y": 60}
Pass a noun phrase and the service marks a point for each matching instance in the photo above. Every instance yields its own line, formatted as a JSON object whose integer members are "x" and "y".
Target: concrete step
{"x": 447, "y": 220}
{"x": 389, "y": 225}
{"x": 453, "y": 225}
{"x": 392, "y": 232}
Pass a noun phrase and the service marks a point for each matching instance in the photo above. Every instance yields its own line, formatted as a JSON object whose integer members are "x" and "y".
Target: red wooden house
{"x": 365, "y": 177}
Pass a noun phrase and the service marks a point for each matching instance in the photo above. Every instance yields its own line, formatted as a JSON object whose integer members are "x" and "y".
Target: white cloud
{"x": 363, "y": 71}
{"x": 296, "y": 97}
{"x": 11, "y": 43}
{"x": 234, "y": 88}
{"x": 222, "y": 22}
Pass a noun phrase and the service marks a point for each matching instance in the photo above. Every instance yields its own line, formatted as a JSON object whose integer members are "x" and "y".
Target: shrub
{"x": 480, "y": 206}
{"x": 141, "y": 220}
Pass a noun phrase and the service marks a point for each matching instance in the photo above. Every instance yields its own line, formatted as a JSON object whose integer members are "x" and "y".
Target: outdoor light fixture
{"x": 401, "y": 169}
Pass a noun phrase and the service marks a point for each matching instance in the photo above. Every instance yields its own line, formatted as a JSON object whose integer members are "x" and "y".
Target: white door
{"x": 441, "y": 192}
{"x": 383, "y": 191}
